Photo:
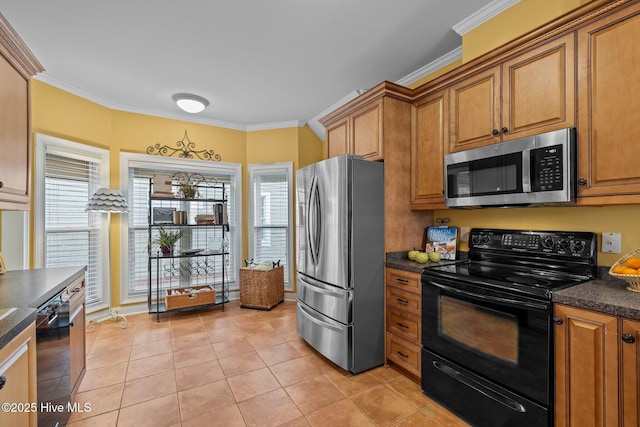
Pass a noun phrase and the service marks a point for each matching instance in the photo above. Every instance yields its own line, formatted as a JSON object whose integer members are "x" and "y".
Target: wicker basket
{"x": 632, "y": 279}
{"x": 174, "y": 299}
{"x": 261, "y": 289}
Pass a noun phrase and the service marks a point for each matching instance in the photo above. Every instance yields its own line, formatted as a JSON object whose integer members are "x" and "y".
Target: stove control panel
{"x": 563, "y": 243}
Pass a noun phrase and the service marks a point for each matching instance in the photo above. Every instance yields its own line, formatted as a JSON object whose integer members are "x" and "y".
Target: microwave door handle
{"x": 526, "y": 171}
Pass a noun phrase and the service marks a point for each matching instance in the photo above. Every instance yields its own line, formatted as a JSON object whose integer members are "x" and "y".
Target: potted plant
{"x": 167, "y": 239}
{"x": 188, "y": 191}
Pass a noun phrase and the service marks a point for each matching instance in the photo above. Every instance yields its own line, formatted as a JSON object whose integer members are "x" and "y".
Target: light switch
{"x": 611, "y": 242}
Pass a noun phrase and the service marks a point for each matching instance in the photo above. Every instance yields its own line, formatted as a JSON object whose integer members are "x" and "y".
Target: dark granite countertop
{"x": 606, "y": 295}
{"x": 399, "y": 260}
{"x": 25, "y": 291}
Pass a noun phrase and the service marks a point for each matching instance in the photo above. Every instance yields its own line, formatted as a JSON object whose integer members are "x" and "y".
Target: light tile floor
{"x": 240, "y": 367}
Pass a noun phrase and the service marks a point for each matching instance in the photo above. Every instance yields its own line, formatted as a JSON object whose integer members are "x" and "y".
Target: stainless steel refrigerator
{"x": 340, "y": 260}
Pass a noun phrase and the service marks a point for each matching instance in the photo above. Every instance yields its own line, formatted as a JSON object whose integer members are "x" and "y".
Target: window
{"x": 67, "y": 174}
{"x": 136, "y": 173}
{"x": 270, "y": 210}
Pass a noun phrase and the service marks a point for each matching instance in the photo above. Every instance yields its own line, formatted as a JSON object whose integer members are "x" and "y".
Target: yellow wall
{"x": 514, "y": 22}
{"x": 59, "y": 113}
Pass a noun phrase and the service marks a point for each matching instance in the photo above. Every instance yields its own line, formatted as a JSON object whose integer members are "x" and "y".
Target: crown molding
{"x": 62, "y": 85}
{"x": 276, "y": 125}
{"x": 491, "y": 10}
{"x": 432, "y": 67}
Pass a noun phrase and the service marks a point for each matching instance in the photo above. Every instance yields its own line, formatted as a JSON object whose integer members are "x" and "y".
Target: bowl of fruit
{"x": 627, "y": 268}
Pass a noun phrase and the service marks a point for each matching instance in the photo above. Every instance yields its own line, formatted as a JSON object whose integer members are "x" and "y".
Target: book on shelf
{"x": 205, "y": 219}
{"x": 220, "y": 212}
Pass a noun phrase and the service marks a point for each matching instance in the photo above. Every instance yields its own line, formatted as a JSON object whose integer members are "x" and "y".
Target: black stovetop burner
{"x": 527, "y": 262}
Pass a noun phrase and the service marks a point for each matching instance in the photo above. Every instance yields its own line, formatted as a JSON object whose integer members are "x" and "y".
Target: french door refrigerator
{"x": 340, "y": 260}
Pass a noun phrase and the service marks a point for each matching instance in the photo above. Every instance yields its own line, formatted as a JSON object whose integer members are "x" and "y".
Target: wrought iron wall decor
{"x": 185, "y": 149}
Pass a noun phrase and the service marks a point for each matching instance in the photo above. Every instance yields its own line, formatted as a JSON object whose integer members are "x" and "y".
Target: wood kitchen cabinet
{"x": 526, "y": 94}
{"x": 369, "y": 124}
{"x": 377, "y": 126}
{"x": 597, "y": 359}
{"x": 429, "y": 144}
{"x": 630, "y": 375}
{"x": 17, "y": 65}
{"x": 18, "y": 379}
{"x": 403, "y": 320}
{"x": 609, "y": 109}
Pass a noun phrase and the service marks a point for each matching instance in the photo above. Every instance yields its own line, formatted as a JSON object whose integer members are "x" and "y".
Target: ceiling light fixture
{"x": 190, "y": 103}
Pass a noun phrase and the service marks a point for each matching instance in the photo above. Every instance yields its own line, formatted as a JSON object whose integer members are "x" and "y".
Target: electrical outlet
{"x": 611, "y": 242}
{"x": 464, "y": 234}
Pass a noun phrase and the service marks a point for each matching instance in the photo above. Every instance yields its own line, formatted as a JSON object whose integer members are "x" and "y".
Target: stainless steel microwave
{"x": 539, "y": 169}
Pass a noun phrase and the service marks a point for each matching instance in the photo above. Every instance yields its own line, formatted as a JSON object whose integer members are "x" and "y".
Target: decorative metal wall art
{"x": 185, "y": 149}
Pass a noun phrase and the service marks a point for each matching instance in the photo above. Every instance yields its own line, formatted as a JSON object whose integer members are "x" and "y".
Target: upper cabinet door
{"x": 609, "y": 106}
{"x": 338, "y": 138}
{"x": 429, "y": 137}
{"x": 367, "y": 128}
{"x": 538, "y": 89}
{"x": 475, "y": 110}
{"x": 14, "y": 138}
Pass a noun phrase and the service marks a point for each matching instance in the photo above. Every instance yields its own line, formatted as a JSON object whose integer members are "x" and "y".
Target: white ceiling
{"x": 260, "y": 63}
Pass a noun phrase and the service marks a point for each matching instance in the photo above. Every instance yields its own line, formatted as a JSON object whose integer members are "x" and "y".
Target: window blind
{"x": 72, "y": 236}
{"x": 270, "y": 222}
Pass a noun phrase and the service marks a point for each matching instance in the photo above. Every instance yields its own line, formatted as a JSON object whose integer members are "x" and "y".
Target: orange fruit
{"x": 618, "y": 269}
{"x": 633, "y": 262}
{"x": 630, "y": 271}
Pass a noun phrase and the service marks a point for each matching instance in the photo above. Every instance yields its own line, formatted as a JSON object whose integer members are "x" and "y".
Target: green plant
{"x": 188, "y": 191}
{"x": 167, "y": 238}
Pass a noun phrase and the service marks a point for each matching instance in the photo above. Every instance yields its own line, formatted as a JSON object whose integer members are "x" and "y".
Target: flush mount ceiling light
{"x": 189, "y": 102}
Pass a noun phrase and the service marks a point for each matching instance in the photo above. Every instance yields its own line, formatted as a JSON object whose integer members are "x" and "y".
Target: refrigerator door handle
{"x": 313, "y": 225}
{"x": 314, "y": 319}
{"x": 319, "y": 288}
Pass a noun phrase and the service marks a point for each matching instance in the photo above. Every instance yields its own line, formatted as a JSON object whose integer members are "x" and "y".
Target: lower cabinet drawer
{"x": 404, "y": 354}
{"x": 404, "y": 300}
{"x": 405, "y": 325}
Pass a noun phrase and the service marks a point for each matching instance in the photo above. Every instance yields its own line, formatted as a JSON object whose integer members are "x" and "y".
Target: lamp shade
{"x": 107, "y": 200}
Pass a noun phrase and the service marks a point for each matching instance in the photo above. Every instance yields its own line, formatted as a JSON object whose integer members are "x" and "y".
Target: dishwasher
{"x": 58, "y": 320}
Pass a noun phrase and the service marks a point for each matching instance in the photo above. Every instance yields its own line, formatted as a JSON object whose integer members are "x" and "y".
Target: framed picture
{"x": 163, "y": 215}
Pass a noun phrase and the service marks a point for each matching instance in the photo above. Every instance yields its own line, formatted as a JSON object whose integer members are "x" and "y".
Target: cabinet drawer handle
{"x": 402, "y": 354}
{"x": 628, "y": 338}
{"x": 557, "y": 320}
{"x": 402, "y": 280}
{"x": 504, "y": 130}
{"x": 495, "y": 132}
{"x": 402, "y": 325}
{"x": 402, "y": 301}
{"x": 582, "y": 181}
{"x": 3, "y": 381}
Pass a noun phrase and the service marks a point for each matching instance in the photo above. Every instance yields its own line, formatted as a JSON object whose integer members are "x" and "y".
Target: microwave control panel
{"x": 546, "y": 168}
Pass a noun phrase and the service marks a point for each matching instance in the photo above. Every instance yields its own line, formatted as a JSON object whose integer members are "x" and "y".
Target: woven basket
{"x": 174, "y": 300}
{"x": 632, "y": 279}
{"x": 261, "y": 289}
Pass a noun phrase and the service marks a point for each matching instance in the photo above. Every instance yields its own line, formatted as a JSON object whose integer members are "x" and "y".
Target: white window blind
{"x": 72, "y": 236}
{"x": 139, "y": 191}
{"x": 270, "y": 214}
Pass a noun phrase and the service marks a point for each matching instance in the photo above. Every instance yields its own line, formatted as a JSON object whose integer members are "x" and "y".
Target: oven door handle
{"x": 495, "y": 299}
{"x": 492, "y": 394}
